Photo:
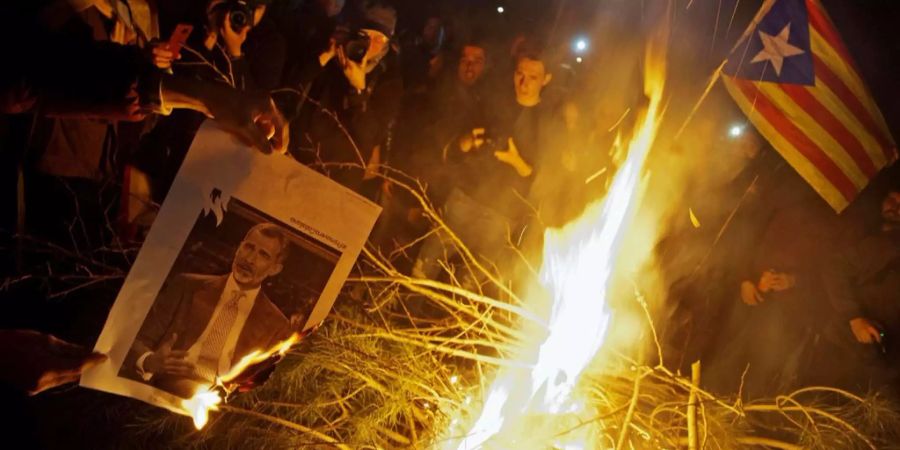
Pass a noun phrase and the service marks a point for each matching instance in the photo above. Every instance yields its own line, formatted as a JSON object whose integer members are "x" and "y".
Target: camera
{"x": 239, "y": 12}
{"x": 494, "y": 140}
{"x": 355, "y": 42}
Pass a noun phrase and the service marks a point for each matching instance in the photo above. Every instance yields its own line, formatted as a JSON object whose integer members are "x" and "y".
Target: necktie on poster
{"x": 281, "y": 235}
{"x": 211, "y": 350}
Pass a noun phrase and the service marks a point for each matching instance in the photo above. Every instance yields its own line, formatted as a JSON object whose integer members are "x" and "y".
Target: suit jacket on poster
{"x": 185, "y": 306}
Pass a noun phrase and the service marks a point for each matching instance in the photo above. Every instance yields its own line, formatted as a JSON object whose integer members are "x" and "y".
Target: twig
{"x": 623, "y": 433}
{"x": 286, "y": 424}
{"x": 693, "y": 440}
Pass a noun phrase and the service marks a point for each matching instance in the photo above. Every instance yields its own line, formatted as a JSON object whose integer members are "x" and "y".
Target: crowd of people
{"x": 105, "y": 101}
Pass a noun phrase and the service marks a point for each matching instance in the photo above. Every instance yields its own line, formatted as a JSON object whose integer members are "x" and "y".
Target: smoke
{"x": 692, "y": 184}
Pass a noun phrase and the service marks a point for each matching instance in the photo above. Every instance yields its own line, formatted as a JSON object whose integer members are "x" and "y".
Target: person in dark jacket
{"x": 121, "y": 85}
{"x": 214, "y": 53}
{"x": 863, "y": 280}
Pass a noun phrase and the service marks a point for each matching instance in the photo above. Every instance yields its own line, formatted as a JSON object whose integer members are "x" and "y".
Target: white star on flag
{"x": 776, "y": 48}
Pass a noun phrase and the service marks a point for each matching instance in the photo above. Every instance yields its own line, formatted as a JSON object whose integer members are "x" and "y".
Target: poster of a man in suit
{"x": 202, "y": 324}
{"x": 205, "y": 320}
{"x": 239, "y": 259}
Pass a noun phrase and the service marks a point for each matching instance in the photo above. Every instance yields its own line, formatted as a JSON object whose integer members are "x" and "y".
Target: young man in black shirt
{"x": 495, "y": 166}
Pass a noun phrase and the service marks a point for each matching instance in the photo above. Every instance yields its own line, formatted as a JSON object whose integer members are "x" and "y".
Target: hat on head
{"x": 381, "y": 18}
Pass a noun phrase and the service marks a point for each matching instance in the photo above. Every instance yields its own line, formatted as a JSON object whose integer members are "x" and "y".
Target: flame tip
{"x": 207, "y": 398}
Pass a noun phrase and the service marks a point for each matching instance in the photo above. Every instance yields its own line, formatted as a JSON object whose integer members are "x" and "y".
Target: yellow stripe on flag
{"x": 840, "y": 110}
{"x": 814, "y": 131}
{"x": 803, "y": 166}
{"x": 848, "y": 74}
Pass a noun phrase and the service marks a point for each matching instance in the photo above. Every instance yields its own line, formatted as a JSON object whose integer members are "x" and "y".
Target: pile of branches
{"x": 400, "y": 358}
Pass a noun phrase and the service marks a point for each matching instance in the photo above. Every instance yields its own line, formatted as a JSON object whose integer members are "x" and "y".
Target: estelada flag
{"x": 796, "y": 82}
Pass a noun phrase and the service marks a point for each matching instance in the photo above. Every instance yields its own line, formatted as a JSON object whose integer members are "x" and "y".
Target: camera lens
{"x": 356, "y": 50}
{"x": 357, "y": 46}
{"x": 239, "y": 19}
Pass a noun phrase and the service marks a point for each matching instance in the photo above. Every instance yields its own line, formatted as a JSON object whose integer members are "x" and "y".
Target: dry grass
{"x": 400, "y": 356}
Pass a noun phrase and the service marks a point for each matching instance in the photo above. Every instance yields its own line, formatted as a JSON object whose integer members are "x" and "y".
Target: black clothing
{"x": 163, "y": 149}
{"x": 491, "y": 182}
{"x": 62, "y": 75}
{"x": 863, "y": 280}
{"x": 432, "y": 126}
{"x": 306, "y": 30}
{"x": 265, "y": 50}
{"x": 334, "y": 128}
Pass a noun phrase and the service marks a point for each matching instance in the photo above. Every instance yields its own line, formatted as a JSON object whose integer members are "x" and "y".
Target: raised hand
{"x": 512, "y": 157}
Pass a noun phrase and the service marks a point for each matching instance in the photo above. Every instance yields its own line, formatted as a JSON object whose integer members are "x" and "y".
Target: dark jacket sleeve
{"x": 72, "y": 75}
{"x": 838, "y": 275}
{"x": 298, "y": 85}
{"x": 266, "y": 50}
{"x": 163, "y": 319}
{"x": 860, "y": 266}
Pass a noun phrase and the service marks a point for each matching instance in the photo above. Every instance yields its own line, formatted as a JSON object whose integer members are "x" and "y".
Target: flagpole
{"x": 763, "y": 10}
{"x": 712, "y": 82}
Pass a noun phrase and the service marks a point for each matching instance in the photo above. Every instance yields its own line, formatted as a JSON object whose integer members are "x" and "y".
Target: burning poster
{"x": 248, "y": 252}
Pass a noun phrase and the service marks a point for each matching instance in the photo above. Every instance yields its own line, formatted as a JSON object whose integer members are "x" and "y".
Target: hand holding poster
{"x": 248, "y": 252}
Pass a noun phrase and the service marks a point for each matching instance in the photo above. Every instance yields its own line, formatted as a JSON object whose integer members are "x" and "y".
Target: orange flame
{"x": 200, "y": 404}
{"x": 207, "y": 397}
{"x": 578, "y": 262}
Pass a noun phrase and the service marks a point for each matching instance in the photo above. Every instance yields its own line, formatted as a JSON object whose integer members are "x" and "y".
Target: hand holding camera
{"x": 232, "y": 20}
{"x": 358, "y": 52}
{"x": 473, "y": 140}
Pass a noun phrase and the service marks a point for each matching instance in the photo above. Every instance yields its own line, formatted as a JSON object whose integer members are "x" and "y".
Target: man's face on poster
{"x": 257, "y": 258}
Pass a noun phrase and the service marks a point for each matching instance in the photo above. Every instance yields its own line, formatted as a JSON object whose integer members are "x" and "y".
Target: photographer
{"x": 343, "y": 104}
{"x": 213, "y": 53}
{"x": 307, "y": 27}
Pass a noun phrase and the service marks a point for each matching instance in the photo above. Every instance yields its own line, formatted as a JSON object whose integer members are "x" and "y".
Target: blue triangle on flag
{"x": 778, "y": 50}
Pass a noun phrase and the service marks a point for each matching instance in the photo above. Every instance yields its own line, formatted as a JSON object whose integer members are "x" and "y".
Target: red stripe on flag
{"x": 798, "y": 139}
{"x": 812, "y": 106}
{"x": 840, "y": 89}
{"x": 822, "y": 24}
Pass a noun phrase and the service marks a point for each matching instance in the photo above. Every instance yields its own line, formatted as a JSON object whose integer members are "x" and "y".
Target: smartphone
{"x": 179, "y": 37}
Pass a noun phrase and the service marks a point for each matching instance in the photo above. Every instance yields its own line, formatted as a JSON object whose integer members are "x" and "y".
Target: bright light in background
{"x": 581, "y": 45}
{"x": 501, "y": 10}
{"x": 736, "y": 131}
{"x": 578, "y": 60}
